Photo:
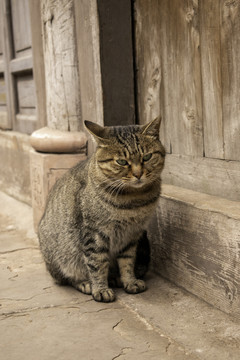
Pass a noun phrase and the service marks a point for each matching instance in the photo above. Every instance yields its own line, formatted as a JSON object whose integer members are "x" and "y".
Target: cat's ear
{"x": 100, "y": 133}
{"x": 152, "y": 128}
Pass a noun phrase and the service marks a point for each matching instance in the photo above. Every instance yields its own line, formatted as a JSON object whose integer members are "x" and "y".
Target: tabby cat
{"x": 97, "y": 212}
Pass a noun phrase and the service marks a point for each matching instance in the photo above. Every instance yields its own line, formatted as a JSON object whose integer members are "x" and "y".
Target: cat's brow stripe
{"x": 120, "y": 139}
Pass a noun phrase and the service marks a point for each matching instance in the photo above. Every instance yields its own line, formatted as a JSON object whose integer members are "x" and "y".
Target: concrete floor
{"x": 40, "y": 320}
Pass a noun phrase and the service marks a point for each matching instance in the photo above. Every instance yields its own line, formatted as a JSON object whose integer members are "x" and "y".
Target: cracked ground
{"x": 40, "y": 320}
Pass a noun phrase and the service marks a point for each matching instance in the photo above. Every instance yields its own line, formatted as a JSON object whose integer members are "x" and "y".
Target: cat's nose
{"x": 137, "y": 172}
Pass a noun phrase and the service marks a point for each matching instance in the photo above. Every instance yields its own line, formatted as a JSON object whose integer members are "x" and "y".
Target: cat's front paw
{"x": 135, "y": 287}
{"x": 104, "y": 295}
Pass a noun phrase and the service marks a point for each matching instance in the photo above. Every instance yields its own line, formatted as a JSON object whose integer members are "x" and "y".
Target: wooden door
{"x": 17, "y": 87}
{"x": 187, "y": 62}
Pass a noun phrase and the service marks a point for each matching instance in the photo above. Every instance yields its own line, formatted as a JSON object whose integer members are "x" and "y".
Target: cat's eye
{"x": 122, "y": 162}
{"x": 147, "y": 157}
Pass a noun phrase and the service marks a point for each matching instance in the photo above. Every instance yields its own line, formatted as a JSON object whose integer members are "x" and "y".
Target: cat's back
{"x": 62, "y": 199}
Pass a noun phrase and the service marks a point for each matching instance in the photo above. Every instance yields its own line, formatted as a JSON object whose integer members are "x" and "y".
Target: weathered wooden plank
{"x": 21, "y": 25}
{"x": 38, "y": 61}
{"x": 230, "y": 54}
{"x": 87, "y": 37}
{"x": 21, "y": 64}
{"x": 61, "y": 65}
{"x": 195, "y": 244}
{"x": 26, "y": 92}
{"x": 182, "y": 77}
{"x": 210, "y": 45}
{"x": 149, "y": 35}
{"x": 5, "y": 11}
{"x": 210, "y": 176}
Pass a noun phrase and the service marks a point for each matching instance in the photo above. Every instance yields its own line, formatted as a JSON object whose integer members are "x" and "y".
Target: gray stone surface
{"x": 40, "y": 320}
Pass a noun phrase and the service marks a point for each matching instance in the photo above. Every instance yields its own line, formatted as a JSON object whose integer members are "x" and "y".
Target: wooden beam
{"x": 211, "y": 176}
{"x": 195, "y": 244}
{"x": 61, "y": 65}
{"x": 21, "y": 64}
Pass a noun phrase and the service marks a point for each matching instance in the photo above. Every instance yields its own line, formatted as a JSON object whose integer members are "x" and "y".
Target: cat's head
{"x": 131, "y": 157}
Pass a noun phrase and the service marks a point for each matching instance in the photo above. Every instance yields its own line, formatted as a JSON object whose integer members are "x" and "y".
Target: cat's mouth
{"x": 138, "y": 183}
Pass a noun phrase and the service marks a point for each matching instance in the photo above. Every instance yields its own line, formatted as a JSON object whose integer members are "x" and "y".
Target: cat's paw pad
{"x": 104, "y": 295}
{"x": 135, "y": 287}
{"x": 85, "y": 287}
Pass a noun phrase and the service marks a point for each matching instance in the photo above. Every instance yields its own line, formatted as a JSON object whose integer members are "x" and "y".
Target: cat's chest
{"x": 120, "y": 234}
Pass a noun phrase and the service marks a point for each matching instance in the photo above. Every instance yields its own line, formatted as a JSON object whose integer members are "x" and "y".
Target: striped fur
{"x": 97, "y": 212}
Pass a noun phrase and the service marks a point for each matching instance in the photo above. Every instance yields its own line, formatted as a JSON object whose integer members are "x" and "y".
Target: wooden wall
{"x": 187, "y": 57}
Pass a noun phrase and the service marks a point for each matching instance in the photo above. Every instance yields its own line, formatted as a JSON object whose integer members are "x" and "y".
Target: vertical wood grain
{"x": 183, "y": 92}
{"x": 61, "y": 65}
{"x": 21, "y": 26}
{"x": 38, "y": 62}
{"x": 8, "y": 55}
{"x": 211, "y": 78}
{"x": 230, "y": 46}
{"x": 149, "y": 19}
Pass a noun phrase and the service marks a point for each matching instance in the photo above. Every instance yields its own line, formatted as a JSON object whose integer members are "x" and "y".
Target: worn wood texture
{"x": 26, "y": 94}
{"x": 17, "y": 59}
{"x": 195, "y": 45}
{"x": 5, "y": 14}
{"x": 230, "y": 45}
{"x": 211, "y": 78}
{"x": 87, "y": 38}
{"x": 38, "y": 61}
{"x": 195, "y": 244}
{"x": 210, "y": 176}
{"x": 181, "y": 69}
{"x": 21, "y": 27}
{"x": 182, "y": 65}
{"x": 149, "y": 51}
{"x": 61, "y": 65}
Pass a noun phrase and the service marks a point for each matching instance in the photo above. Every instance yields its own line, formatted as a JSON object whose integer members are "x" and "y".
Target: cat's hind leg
{"x": 57, "y": 274}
